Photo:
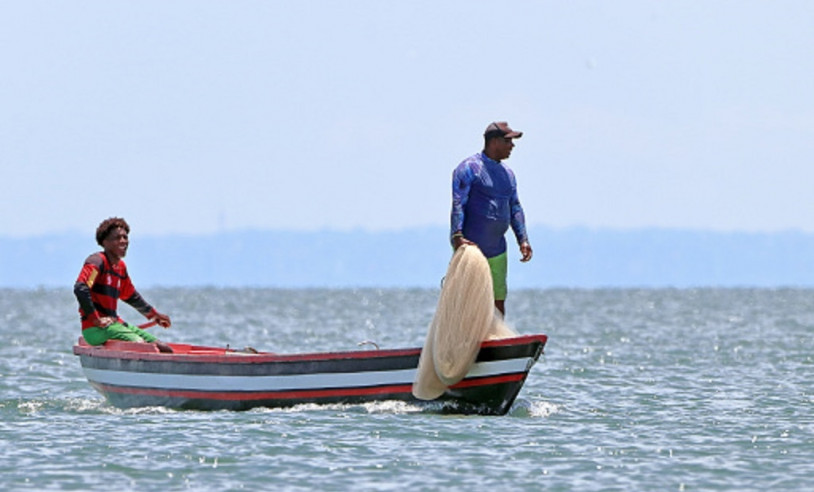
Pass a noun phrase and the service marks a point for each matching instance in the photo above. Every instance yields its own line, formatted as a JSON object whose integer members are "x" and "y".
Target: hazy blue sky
{"x": 196, "y": 116}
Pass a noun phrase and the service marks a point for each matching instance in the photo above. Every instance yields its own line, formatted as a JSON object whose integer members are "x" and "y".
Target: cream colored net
{"x": 464, "y": 318}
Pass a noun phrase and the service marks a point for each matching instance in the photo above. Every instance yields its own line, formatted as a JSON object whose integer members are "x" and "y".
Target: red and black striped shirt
{"x": 99, "y": 287}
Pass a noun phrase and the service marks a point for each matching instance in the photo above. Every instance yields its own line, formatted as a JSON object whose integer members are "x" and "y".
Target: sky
{"x": 193, "y": 117}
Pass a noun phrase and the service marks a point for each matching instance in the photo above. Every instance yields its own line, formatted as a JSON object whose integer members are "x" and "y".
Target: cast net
{"x": 465, "y": 317}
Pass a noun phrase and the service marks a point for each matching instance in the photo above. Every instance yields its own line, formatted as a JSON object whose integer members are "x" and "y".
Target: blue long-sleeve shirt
{"x": 485, "y": 204}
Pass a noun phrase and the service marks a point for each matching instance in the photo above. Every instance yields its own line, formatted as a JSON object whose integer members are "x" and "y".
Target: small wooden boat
{"x": 209, "y": 378}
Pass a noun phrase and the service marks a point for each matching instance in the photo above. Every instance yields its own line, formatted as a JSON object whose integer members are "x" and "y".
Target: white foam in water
{"x": 305, "y": 407}
{"x": 384, "y": 407}
{"x": 391, "y": 407}
{"x": 89, "y": 405}
{"x": 31, "y": 406}
{"x": 543, "y": 409}
{"x": 537, "y": 408}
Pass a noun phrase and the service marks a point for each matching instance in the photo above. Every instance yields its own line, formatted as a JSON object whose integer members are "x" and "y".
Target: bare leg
{"x": 501, "y": 306}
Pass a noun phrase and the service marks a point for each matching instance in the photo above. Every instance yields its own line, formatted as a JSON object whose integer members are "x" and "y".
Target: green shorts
{"x": 117, "y": 331}
{"x": 499, "y": 265}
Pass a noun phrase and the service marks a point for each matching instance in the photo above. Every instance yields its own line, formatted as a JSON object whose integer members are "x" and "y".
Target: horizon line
{"x": 428, "y": 227}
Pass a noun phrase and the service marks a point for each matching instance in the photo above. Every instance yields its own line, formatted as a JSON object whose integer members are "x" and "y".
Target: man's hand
{"x": 525, "y": 251}
{"x": 458, "y": 241}
{"x": 162, "y": 319}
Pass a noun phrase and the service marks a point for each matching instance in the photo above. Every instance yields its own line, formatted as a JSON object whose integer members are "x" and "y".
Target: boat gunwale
{"x": 233, "y": 357}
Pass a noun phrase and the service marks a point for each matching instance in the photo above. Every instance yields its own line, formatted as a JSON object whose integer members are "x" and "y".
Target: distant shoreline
{"x": 417, "y": 257}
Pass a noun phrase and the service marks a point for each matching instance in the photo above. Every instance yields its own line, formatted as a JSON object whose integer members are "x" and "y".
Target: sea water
{"x": 693, "y": 389}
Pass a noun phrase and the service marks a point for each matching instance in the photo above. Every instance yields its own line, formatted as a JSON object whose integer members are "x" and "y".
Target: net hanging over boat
{"x": 465, "y": 317}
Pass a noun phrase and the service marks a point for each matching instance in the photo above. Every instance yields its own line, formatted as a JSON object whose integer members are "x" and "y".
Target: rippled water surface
{"x": 638, "y": 390}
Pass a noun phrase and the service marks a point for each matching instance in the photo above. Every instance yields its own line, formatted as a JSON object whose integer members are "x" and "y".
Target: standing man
{"x": 485, "y": 204}
{"x": 103, "y": 281}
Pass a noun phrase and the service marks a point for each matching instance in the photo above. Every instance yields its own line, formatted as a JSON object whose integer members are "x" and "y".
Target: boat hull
{"x": 209, "y": 378}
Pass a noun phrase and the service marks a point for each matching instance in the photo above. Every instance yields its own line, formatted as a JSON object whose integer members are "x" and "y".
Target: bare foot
{"x": 163, "y": 347}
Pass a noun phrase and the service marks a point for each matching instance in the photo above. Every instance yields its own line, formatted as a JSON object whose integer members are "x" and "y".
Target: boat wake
{"x": 47, "y": 405}
{"x": 533, "y": 409}
{"x": 386, "y": 407}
